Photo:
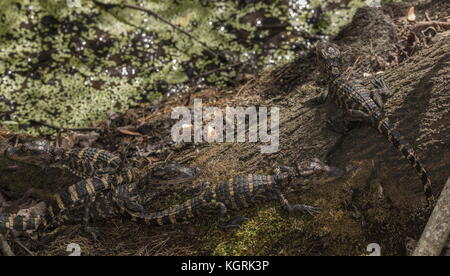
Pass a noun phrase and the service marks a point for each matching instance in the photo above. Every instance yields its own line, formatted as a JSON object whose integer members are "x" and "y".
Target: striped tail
{"x": 23, "y": 223}
{"x": 383, "y": 125}
{"x": 32, "y": 222}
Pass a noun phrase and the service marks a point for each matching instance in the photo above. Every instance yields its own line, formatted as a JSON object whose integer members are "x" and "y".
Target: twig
{"x": 64, "y": 129}
{"x": 245, "y": 86}
{"x": 4, "y": 246}
{"x": 273, "y": 26}
{"x": 24, "y": 247}
{"x": 436, "y": 233}
{"x": 424, "y": 24}
{"x": 218, "y": 70}
{"x": 351, "y": 67}
{"x": 162, "y": 19}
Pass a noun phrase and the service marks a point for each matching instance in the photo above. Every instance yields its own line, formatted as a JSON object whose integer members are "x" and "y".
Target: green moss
{"x": 68, "y": 62}
{"x": 154, "y": 96}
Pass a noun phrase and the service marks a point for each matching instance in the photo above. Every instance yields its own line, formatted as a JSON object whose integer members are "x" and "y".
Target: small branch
{"x": 25, "y": 248}
{"x": 162, "y": 19}
{"x": 424, "y": 24}
{"x": 273, "y": 26}
{"x": 4, "y": 246}
{"x": 218, "y": 70}
{"x": 436, "y": 233}
{"x": 64, "y": 129}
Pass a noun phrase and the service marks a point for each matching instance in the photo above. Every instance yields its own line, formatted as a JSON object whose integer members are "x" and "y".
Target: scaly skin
{"x": 241, "y": 192}
{"x": 361, "y": 104}
{"x": 83, "y": 162}
{"x": 104, "y": 184}
{"x": 103, "y": 207}
{"x": 84, "y": 191}
{"x": 99, "y": 168}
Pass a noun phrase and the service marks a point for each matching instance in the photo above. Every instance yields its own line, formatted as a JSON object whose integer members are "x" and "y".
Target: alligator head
{"x": 328, "y": 59}
{"x": 315, "y": 172}
{"x": 32, "y": 151}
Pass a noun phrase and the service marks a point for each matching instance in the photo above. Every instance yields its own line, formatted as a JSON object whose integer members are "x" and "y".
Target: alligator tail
{"x": 383, "y": 125}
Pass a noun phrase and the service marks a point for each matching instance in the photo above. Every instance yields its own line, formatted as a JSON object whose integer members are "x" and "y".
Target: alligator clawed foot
{"x": 380, "y": 85}
{"x": 235, "y": 223}
{"x": 131, "y": 204}
{"x": 311, "y": 210}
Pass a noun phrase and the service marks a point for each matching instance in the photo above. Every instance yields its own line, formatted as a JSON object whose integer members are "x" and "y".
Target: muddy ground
{"x": 379, "y": 200}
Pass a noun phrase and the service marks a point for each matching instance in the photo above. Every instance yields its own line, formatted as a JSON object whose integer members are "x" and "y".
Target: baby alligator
{"x": 83, "y": 162}
{"x": 364, "y": 105}
{"x": 99, "y": 168}
{"x": 104, "y": 184}
{"x": 241, "y": 192}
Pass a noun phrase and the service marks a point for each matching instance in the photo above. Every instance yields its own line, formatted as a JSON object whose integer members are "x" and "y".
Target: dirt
{"x": 379, "y": 200}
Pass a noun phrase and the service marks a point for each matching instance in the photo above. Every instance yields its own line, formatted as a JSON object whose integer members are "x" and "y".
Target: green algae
{"x": 69, "y": 62}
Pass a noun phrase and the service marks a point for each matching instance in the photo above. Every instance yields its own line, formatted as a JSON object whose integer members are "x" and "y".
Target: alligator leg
{"x": 321, "y": 99}
{"x": 128, "y": 201}
{"x": 379, "y": 89}
{"x": 132, "y": 205}
{"x": 338, "y": 124}
{"x": 377, "y": 98}
{"x": 311, "y": 210}
{"x": 341, "y": 125}
{"x": 357, "y": 116}
{"x": 380, "y": 86}
{"x": 222, "y": 210}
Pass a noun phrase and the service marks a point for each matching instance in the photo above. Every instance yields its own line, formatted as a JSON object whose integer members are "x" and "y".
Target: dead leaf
{"x": 128, "y": 132}
{"x": 152, "y": 159}
{"x": 411, "y": 14}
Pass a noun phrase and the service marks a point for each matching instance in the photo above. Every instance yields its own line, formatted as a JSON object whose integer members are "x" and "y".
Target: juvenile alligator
{"x": 101, "y": 207}
{"x": 80, "y": 194}
{"x": 99, "y": 168}
{"x": 364, "y": 105}
{"x": 241, "y": 192}
{"x": 83, "y": 162}
{"x": 104, "y": 185}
